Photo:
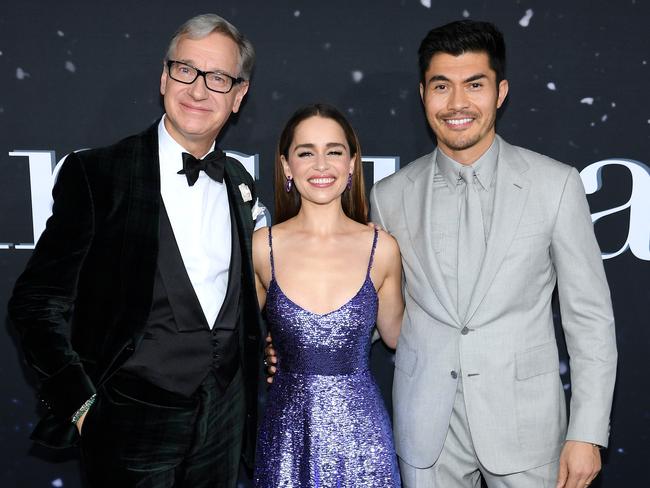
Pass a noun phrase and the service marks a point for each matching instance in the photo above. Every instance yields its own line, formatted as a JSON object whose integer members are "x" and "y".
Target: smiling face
{"x": 195, "y": 115}
{"x": 319, "y": 160}
{"x": 461, "y": 99}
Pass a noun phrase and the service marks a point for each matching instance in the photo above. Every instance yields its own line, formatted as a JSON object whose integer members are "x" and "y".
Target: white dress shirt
{"x": 200, "y": 219}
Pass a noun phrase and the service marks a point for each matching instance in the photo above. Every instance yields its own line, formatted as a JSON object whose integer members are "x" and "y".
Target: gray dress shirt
{"x": 449, "y": 192}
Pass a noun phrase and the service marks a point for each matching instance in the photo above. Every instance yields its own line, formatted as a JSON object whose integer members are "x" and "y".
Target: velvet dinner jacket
{"x": 81, "y": 305}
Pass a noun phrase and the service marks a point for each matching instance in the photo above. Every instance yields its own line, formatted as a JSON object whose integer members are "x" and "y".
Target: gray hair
{"x": 203, "y": 25}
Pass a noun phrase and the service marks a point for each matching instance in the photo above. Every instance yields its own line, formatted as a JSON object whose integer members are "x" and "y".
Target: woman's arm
{"x": 261, "y": 263}
{"x": 388, "y": 262}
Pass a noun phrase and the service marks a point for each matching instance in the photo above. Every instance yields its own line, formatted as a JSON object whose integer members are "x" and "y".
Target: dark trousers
{"x": 137, "y": 435}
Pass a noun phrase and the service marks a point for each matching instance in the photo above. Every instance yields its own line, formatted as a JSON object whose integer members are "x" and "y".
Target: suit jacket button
{"x": 454, "y": 375}
{"x": 464, "y": 331}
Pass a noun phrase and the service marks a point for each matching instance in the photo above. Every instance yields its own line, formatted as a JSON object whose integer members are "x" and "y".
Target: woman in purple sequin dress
{"x": 326, "y": 279}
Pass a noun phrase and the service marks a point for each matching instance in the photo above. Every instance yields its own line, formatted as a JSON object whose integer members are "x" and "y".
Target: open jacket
{"x": 81, "y": 305}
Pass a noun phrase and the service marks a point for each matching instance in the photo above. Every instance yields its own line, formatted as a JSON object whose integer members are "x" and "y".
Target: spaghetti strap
{"x": 271, "y": 254}
{"x": 372, "y": 252}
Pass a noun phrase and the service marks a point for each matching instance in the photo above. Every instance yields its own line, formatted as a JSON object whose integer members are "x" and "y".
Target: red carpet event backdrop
{"x": 79, "y": 74}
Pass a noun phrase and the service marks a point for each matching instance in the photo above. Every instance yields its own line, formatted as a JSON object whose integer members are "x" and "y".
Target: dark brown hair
{"x": 354, "y": 202}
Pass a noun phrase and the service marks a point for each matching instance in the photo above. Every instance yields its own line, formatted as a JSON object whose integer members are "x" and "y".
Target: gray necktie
{"x": 471, "y": 241}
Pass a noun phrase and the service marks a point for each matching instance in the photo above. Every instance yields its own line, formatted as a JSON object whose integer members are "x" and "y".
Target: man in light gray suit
{"x": 487, "y": 230}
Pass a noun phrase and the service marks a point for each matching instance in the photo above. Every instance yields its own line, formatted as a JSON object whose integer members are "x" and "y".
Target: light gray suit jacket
{"x": 541, "y": 234}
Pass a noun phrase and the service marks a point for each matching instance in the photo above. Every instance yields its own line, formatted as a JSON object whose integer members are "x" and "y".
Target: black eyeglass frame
{"x": 235, "y": 81}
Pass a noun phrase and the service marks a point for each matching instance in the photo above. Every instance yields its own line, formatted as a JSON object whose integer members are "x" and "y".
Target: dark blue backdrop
{"x": 79, "y": 74}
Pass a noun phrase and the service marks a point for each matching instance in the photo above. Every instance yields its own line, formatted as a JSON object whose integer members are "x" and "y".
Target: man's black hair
{"x": 464, "y": 36}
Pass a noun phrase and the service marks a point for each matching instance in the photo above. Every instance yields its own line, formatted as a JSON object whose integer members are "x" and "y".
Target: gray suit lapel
{"x": 511, "y": 193}
{"x": 418, "y": 205}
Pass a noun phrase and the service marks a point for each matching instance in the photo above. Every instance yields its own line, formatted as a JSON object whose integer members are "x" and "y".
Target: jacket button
{"x": 464, "y": 331}
{"x": 453, "y": 374}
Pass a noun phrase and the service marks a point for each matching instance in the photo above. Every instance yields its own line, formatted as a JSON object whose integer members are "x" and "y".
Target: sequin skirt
{"x": 322, "y": 431}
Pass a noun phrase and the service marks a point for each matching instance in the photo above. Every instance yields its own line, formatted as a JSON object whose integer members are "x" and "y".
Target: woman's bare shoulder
{"x": 387, "y": 248}
{"x": 260, "y": 237}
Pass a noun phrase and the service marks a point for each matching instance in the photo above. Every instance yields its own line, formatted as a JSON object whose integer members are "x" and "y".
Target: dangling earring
{"x": 349, "y": 185}
{"x": 289, "y": 184}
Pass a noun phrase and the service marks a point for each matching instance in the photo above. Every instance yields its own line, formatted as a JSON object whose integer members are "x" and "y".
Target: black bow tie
{"x": 212, "y": 164}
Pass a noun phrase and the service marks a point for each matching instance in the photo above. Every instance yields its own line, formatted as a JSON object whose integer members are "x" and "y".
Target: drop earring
{"x": 349, "y": 185}
{"x": 289, "y": 184}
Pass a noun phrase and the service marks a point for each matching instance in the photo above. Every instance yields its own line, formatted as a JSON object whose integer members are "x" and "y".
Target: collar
{"x": 484, "y": 167}
{"x": 171, "y": 159}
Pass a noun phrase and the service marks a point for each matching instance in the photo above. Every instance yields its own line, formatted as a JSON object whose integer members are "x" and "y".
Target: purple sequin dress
{"x": 325, "y": 424}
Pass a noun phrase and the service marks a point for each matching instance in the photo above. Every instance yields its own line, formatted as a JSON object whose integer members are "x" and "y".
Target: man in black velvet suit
{"x": 137, "y": 308}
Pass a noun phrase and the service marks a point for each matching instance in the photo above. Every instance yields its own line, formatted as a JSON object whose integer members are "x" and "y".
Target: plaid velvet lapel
{"x": 140, "y": 251}
{"x": 236, "y": 175}
{"x": 252, "y": 329}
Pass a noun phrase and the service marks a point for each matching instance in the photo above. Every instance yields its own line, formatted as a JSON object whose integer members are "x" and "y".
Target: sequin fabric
{"x": 325, "y": 424}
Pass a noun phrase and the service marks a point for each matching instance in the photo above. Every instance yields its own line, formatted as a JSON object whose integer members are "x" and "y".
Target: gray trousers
{"x": 459, "y": 467}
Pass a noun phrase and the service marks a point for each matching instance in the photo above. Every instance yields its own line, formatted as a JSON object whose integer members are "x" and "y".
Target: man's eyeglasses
{"x": 215, "y": 81}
